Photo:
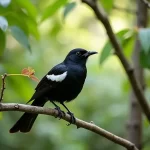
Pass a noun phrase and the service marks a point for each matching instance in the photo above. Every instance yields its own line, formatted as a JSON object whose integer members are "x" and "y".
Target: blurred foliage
{"x": 144, "y": 36}
{"x": 69, "y": 7}
{"x": 39, "y": 26}
{"x": 125, "y": 37}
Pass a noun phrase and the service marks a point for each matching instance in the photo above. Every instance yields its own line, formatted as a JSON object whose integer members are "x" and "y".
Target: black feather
{"x": 24, "y": 124}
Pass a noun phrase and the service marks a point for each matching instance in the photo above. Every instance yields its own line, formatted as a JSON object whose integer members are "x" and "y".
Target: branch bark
{"x": 135, "y": 118}
{"x": 79, "y": 123}
{"x": 146, "y": 2}
{"x": 101, "y": 16}
{"x": 3, "y": 87}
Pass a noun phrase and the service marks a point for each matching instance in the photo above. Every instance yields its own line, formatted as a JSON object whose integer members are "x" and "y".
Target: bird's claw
{"x": 72, "y": 120}
{"x": 60, "y": 113}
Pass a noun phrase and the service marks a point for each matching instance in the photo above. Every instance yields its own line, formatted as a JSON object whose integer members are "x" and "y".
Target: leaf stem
{"x": 17, "y": 75}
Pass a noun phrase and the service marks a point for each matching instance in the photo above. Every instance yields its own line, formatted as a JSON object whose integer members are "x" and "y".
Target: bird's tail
{"x": 25, "y": 123}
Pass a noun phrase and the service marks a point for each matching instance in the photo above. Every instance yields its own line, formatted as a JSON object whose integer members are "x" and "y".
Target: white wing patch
{"x": 57, "y": 78}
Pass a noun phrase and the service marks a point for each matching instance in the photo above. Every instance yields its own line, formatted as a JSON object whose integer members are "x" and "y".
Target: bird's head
{"x": 78, "y": 56}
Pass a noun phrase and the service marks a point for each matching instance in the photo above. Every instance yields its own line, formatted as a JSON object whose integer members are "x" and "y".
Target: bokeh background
{"x": 105, "y": 96}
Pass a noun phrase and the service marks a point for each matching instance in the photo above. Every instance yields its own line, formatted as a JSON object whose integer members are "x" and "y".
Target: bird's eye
{"x": 78, "y": 53}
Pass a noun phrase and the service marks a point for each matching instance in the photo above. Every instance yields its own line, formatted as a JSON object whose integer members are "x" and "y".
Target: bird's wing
{"x": 54, "y": 77}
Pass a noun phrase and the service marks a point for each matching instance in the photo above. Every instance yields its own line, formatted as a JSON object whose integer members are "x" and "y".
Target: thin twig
{"x": 79, "y": 123}
{"x": 146, "y": 2}
{"x": 101, "y": 16}
{"x": 18, "y": 74}
{"x": 3, "y": 83}
{"x": 3, "y": 87}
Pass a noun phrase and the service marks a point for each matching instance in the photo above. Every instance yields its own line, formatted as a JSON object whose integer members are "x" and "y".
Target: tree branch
{"x": 101, "y": 16}
{"x": 79, "y": 123}
{"x": 135, "y": 125}
{"x": 146, "y": 2}
{"x": 3, "y": 87}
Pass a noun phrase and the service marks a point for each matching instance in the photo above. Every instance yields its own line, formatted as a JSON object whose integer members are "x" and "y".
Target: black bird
{"x": 61, "y": 84}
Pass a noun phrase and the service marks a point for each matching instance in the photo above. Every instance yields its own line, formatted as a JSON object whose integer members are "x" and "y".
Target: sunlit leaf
{"x": 14, "y": 20}
{"x": 68, "y": 8}
{"x": 20, "y": 36}
{"x": 125, "y": 37}
{"x": 32, "y": 28}
{"x": 108, "y": 5}
{"x": 26, "y": 23}
{"x": 121, "y": 33}
{"x": 28, "y": 6}
{"x": 53, "y": 8}
{"x": 144, "y": 36}
{"x": 106, "y": 51}
{"x": 2, "y": 42}
{"x": 128, "y": 46}
{"x": 5, "y": 3}
{"x": 3, "y": 23}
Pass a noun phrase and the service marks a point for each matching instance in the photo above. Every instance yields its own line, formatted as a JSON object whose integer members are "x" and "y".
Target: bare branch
{"x": 3, "y": 86}
{"x": 146, "y": 2}
{"x": 101, "y": 16}
{"x": 79, "y": 123}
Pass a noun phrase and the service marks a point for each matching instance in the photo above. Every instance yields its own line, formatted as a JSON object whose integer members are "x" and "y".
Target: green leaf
{"x": 14, "y": 20}
{"x": 108, "y": 5}
{"x": 124, "y": 36}
{"x": 122, "y": 33}
{"x": 128, "y": 47}
{"x": 144, "y": 36}
{"x": 26, "y": 23}
{"x": 145, "y": 59}
{"x": 28, "y": 6}
{"x": 2, "y": 42}
{"x": 20, "y": 36}
{"x": 68, "y": 8}
{"x": 126, "y": 39}
{"x": 52, "y": 9}
{"x": 32, "y": 28}
{"x": 106, "y": 51}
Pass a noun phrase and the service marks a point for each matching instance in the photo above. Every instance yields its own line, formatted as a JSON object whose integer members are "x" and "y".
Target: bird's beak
{"x": 90, "y": 53}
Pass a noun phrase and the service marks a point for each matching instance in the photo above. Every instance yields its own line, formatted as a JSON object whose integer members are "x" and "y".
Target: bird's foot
{"x": 72, "y": 120}
{"x": 60, "y": 113}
